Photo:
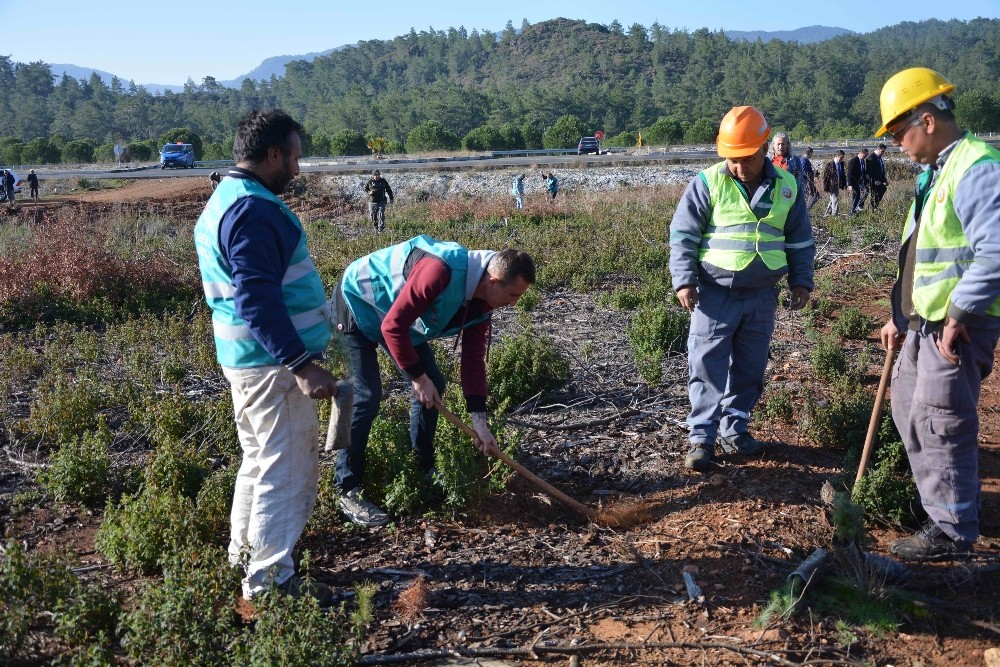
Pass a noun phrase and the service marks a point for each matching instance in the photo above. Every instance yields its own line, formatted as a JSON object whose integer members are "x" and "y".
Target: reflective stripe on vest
{"x": 943, "y": 252}
{"x": 735, "y": 236}
{"x": 301, "y": 287}
{"x": 372, "y": 283}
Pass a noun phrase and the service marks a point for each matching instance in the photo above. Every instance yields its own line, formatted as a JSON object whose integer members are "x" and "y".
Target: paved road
{"x": 364, "y": 165}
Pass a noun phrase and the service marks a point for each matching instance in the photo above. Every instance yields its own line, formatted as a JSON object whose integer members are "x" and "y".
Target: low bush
{"x": 78, "y": 470}
{"x": 853, "y": 324}
{"x": 827, "y": 358}
{"x": 295, "y": 631}
{"x": 143, "y": 530}
{"x": 177, "y": 467}
{"x": 215, "y": 499}
{"x": 523, "y": 366}
{"x": 841, "y": 422}
{"x": 654, "y": 331}
{"x": 888, "y": 492}
{"x": 67, "y": 405}
{"x": 777, "y": 406}
{"x": 188, "y": 617}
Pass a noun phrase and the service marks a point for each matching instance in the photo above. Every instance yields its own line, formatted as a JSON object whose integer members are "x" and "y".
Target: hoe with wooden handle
{"x": 873, "y": 425}
{"x": 524, "y": 472}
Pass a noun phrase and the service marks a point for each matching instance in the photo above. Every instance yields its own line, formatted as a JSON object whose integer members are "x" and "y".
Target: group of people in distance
{"x": 740, "y": 228}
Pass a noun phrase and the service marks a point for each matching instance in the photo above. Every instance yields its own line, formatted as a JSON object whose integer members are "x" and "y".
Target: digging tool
{"x": 883, "y": 384}
{"x": 588, "y": 512}
{"x": 338, "y": 433}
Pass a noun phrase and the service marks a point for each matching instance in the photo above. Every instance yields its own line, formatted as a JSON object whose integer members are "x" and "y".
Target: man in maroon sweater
{"x": 400, "y": 298}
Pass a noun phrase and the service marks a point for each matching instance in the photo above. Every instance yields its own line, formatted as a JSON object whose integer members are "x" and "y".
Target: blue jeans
{"x": 727, "y": 356}
{"x": 363, "y": 354}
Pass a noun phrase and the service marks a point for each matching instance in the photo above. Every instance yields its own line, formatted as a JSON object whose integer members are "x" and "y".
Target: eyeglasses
{"x": 898, "y": 131}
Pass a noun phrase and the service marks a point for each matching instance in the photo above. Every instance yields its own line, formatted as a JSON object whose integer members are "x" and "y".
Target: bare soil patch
{"x": 526, "y": 579}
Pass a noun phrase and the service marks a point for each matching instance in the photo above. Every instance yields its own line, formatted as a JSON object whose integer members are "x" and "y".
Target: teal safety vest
{"x": 301, "y": 287}
{"x": 372, "y": 283}
{"x": 943, "y": 252}
{"x": 735, "y": 236}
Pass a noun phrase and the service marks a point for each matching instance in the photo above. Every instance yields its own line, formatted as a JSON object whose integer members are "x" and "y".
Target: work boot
{"x": 929, "y": 543}
{"x": 741, "y": 443}
{"x": 297, "y": 587}
{"x": 699, "y": 457}
{"x": 361, "y": 511}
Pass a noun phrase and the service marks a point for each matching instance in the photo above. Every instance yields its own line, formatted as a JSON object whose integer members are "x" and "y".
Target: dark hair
{"x": 880, "y": 147}
{"x": 946, "y": 115}
{"x": 509, "y": 265}
{"x": 261, "y": 130}
{"x": 840, "y": 153}
{"x": 809, "y": 150}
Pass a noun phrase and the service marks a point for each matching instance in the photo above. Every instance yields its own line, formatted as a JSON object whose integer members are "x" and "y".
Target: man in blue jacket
{"x": 740, "y": 226}
{"x": 269, "y": 316}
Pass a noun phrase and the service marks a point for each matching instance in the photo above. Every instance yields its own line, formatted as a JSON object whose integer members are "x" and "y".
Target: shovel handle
{"x": 520, "y": 469}
{"x": 883, "y": 383}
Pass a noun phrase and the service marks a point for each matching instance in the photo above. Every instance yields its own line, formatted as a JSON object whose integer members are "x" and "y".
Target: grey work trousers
{"x": 934, "y": 406}
{"x": 727, "y": 356}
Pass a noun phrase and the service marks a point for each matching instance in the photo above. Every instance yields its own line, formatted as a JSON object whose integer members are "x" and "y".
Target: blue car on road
{"x": 177, "y": 155}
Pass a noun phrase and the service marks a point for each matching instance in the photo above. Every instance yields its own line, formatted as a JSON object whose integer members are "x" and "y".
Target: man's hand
{"x": 799, "y": 298}
{"x": 947, "y": 341}
{"x": 688, "y": 296}
{"x": 315, "y": 381}
{"x": 485, "y": 442}
{"x": 890, "y": 336}
{"x": 425, "y": 391}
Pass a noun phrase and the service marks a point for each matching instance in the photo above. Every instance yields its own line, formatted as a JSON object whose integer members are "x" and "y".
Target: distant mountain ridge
{"x": 808, "y": 35}
{"x": 275, "y": 65}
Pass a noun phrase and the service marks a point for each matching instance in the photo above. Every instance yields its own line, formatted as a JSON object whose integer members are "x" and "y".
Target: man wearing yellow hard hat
{"x": 946, "y": 303}
{"x": 741, "y": 225}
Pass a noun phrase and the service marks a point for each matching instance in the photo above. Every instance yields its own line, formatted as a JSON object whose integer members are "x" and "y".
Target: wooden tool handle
{"x": 520, "y": 469}
{"x": 873, "y": 425}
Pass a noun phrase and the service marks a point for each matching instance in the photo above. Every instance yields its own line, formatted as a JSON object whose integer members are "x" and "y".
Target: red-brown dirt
{"x": 526, "y": 572}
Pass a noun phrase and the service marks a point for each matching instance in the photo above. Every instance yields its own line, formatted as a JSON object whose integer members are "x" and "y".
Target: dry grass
{"x": 412, "y": 602}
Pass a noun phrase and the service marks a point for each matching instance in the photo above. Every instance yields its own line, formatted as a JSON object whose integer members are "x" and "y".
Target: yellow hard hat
{"x": 906, "y": 90}
{"x": 742, "y": 132}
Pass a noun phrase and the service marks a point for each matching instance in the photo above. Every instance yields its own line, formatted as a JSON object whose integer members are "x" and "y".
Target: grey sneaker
{"x": 297, "y": 587}
{"x": 698, "y": 458}
{"x": 741, "y": 443}
{"x": 361, "y": 511}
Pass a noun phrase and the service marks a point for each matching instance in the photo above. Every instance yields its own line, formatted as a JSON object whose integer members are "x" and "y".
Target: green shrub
{"x": 215, "y": 499}
{"x": 463, "y": 473}
{"x": 87, "y": 621}
{"x": 177, "y": 467}
{"x": 853, "y": 324}
{"x": 391, "y": 475}
{"x": 66, "y": 406}
{"x": 888, "y": 492}
{"x": 523, "y": 366}
{"x": 529, "y": 300}
{"x": 827, "y": 358}
{"x": 144, "y": 529}
{"x": 78, "y": 470}
{"x": 295, "y": 631}
{"x": 777, "y": 406}
{"x": 654, "y": 331}
{"x": 188, "y": 617}
{"x": 31, "y": 586}
{"x": 841, "y": 422}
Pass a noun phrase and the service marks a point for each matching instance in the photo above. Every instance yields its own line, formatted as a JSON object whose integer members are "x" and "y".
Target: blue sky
{"x": 150, "y": 41}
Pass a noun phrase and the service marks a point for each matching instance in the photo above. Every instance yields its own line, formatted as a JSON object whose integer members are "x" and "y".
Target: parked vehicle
{"x": 177, "y": 155}
{"x": 588, "y": 145}
{"x": 17, "y": 186}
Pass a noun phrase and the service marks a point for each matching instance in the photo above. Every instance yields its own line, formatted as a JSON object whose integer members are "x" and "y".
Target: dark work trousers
{"x": 727, "y": 356}
{"x": 878, "y": 191}
{"x": 376, "y": 210}
{"x": 934, "y": 406}
{"x": 363, "y": 353}
{"x": 858, "y": 198}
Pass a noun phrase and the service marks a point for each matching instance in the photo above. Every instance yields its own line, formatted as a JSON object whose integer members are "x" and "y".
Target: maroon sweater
{"x": 427, "y": 280}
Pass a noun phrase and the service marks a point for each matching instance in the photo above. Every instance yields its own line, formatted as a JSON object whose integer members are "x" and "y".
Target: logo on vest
{"x": 786, "y": 193}
{"x": 940, "y": 196}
